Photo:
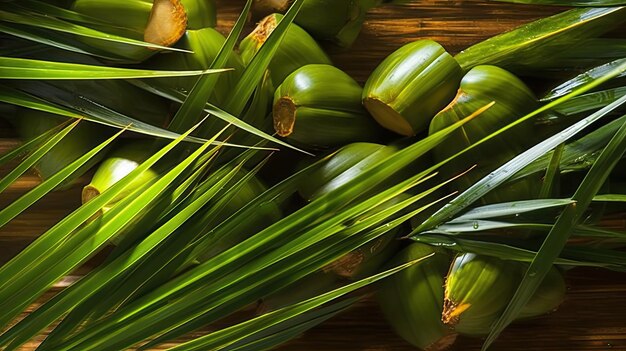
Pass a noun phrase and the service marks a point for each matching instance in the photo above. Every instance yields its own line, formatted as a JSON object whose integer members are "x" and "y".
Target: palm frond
{"x": 32, "y": 159}
{"x": 559, "y": 234}
{"x": 505, "y": 172}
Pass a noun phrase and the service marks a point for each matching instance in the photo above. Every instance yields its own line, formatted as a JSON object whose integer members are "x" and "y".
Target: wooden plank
{"x": 592, "y": 318}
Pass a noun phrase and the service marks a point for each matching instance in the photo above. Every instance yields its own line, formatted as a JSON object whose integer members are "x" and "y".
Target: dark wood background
{"x": 592, "y": 318}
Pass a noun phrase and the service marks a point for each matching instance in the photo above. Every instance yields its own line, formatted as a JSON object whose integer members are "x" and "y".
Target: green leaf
{"x": 29, "y": 145}
{"x": 610, "y": 197}
{"x": 100, "y": 277}
{"x": 478, "y": 228}
{"x": 552, "y": 174}
{"x": 135, "y": 329}
{"x": 117, "y": 335}
{"x": 534, "y": 42}
{"x": 271, "y": 337}
{"x": 41, "y": 20}
{"x": 226, "y": 337}
{"x": 91, "y": 111}
{"x": 594, "y": 257}
{"x": 261, "y": 60}
{"x": 510, "y": 209}
{"x": 18, "y": 206}
{"x": 558, "y": 236}
{"x": 583, "y": 78}
{"x": 503, "y": 173}
{"x": 21, "y": 68}
{"x": 577, "y": 155}
{"x": 356, "y": 232}
{"x": 151, "y": 272}
{"x": 596, "y": 3}
{"x": 194, "y": 103}
{"x": 587, "y": 102}
{"x": 213, "y": 110}
{"x": 43, "y": 253}
{"x": 42, "y": 7}
{"x": 57, "y": 40}
{"x": 222, "y": 264}
{"x": 35, "y": 157}
{"x": 139, "y": 229}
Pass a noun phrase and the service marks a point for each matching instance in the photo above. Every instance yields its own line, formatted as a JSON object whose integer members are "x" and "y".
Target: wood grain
{"x": 594, "y": 314}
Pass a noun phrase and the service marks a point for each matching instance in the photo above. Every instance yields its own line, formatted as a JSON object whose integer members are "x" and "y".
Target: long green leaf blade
{"x": 51, "y": 311}
{"x": 58, "y": 233}
{"x": 31, "y": 160}
{"x": 34, "y": 19}
{"x": 28, "y": 199}
{"x": 583, "y": 78}
{"x": 256, "y": 68}
{"x": 193, "y": 104}
{"x": 510, "y": 252}
{"x": 558, "y": 236}
{"x": 526, "y": 42}
{"x": 213, "y": 110}
{"x": 96, "y": 113}
{"x": 29, "y": 145}
{"x": 480, "y": 188}
{"x": 228, "y": 336}
{"x": 21, "y": 68}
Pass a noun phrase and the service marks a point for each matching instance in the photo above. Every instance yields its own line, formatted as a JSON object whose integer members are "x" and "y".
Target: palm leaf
{"x": 29, "y": 263}
{"x": 74, "y": 106}
{"x": 32, "y": 159}
{"x": 41, "y": 20}
{"x": 271, "y": 337}
{"x": 21, "y": 68}
{"x": 478, "y": 228}
{"x": 497, "y": 177}
{"x": 29, "y": 145}
{"x": 116, "y": 338}
{"x": 228, "y": 336}
{"x": 591, "y": 75}
{"x": 596, "y": 3}
{"x": 587, "y": 102}
{"x": 194, "y": 103}
{"x": 57, "y": 40}
{"x": 28, "y": 199}
{"x": 528, "y": 44}
{"x": 610, "y": 197}
{"x": 577, "y": 155}
{"x": 358, "y": 232}
{"x": 243, "y": 251}
{"x": 550, "y": 180}
{"x": 261, "y": 60}
{"x": 42, "y": 7}
{"x": 569, "y": 257}
{"x": 213, "y": 110}
{"x": 66, "y": 300}
{"x": 140, "y": 229}
{"x": 558, "y": 236}
{"x": 160, "y": 264}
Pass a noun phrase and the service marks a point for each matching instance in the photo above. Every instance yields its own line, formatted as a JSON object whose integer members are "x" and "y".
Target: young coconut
{"x": 319, "y": 106}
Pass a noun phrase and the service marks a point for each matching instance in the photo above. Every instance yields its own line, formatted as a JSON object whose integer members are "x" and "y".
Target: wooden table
{"x": 592, "y": 318}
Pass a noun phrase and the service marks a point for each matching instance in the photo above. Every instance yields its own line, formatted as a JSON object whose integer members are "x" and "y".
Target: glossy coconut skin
{"x": 205, "y": 44}
{"x": 319, "y": 106}
{"x": 412, "y": 300}
{"x": 510, "y": 99}
{"x": 343, "y": 166}
{"x": 136, "y": 19}
{"x": 478, "y": 289}
{"x": 297, "y": 48}
{"x": 411, "y": 85}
